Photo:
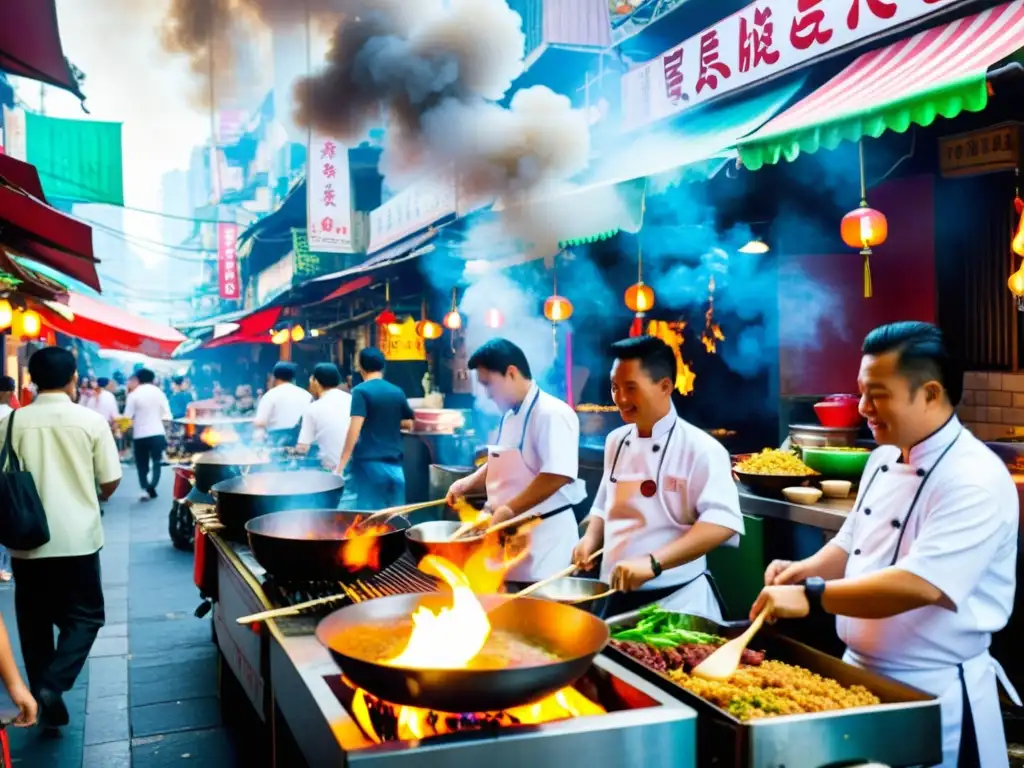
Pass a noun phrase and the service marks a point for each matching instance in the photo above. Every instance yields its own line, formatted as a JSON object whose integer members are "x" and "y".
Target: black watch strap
{"x": 655, "y": 566}
{"x": 814, "y": 587}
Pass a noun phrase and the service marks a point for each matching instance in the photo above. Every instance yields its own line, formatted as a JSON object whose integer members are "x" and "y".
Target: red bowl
{"x": 842, "y": 414}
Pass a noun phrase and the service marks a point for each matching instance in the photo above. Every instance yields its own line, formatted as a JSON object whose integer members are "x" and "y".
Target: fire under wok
{"x": 563, "y": 639}
{"x": 322, "y": 545}
{"x": 240, "y": 499}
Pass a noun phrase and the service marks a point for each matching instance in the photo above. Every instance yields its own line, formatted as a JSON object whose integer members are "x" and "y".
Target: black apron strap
{"x": 556, "y": 511}
{"x": 969, "y": 756}
{"x": 718, "y": 595}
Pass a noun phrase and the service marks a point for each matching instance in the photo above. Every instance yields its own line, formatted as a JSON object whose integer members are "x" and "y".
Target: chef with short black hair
{"x": 923, "y": 570}
{"x": 533, "y": 465}
{"x": 667, "y": 496}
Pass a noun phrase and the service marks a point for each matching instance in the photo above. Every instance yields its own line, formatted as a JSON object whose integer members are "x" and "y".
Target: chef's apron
{"x": 967, "y": 692}
{"x": 554, "y": 538}
{"x": 695, "y": 590}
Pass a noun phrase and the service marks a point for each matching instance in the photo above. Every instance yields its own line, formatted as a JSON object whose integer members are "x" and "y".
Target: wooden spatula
{"x": 723, "y": 663}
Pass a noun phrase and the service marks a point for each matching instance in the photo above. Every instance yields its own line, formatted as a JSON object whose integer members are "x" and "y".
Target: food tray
{"x": 904, "y": 730}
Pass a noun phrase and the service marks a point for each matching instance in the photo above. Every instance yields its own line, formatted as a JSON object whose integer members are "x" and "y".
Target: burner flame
{"x": 214, "y": 437}
{"x": 361, "y": 547}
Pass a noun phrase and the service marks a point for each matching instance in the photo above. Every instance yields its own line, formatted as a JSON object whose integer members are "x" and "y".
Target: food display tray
{"x": 904, "y": 730}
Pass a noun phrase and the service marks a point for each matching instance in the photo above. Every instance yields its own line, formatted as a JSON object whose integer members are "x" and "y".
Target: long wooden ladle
{"x": 723, "y": 663}
{"x": 386, "y": 514}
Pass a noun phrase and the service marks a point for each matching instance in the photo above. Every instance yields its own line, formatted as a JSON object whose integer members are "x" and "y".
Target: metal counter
{"x": 826, "y": 515}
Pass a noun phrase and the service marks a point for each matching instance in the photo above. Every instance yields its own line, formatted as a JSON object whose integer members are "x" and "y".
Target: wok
{"x": 573, "y": 635}
{"x": 310, "y": 544}
{"x": 220, "y": 464}
{"x": 433, "y": 539}
{"x": 240, "y": 499}
{"x": 568, "y": 590}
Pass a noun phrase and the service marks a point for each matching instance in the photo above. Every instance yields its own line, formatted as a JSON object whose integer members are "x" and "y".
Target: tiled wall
{"x": 993, "y": 404}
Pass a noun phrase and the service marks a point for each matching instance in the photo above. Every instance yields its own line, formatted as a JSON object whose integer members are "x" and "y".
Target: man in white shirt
{"x": 325, "y": 424}
{"x": 70, "y": 452}
{"x": 148, "y": 408}
{"x": 7, "y": 387}
{"x": 282, "y": 408}
{"x": 104, "y": 402}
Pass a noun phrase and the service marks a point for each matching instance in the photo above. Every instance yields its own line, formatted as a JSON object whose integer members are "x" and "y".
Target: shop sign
{"x": 275, "y": 279}
{"x": 982, "y": 151}
{"x": 764, "y": 39}
{"x": 328, "y": 196}
{"x": 406, "y": 345}
{"x": 227, "y": 260}
{"x": 410, "y": 211}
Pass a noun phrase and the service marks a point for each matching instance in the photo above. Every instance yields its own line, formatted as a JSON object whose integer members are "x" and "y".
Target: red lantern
{"x": 429, "y": 330}
{"x": 640, "y": 297}
{"x": 557, "y": 308}
{"x": 493, "y": 318}
{"x": 864, "y": 228}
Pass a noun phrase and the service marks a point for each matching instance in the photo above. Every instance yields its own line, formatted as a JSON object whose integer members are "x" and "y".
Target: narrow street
{"x": 148, "y": 696}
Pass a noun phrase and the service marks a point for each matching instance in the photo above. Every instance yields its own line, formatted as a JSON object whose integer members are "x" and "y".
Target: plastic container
{"x": 801, "y": 495}
{"x": 840, "y": 413}
{"x": 839, "y": 463}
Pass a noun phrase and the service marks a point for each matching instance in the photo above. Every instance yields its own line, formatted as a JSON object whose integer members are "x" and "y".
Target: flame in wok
{"x": 361, "y": 546}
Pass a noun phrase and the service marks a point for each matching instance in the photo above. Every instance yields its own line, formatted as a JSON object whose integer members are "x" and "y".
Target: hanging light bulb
{"x": 453, "y": 320}
{"x": 280, "y": 337}
{"x": 6, "y": 314}
{"x": 493, "y": 318}
{"x": 1017, "y": 245}
{"x": 755, "y": 247}
{"x": 30, "y": 324}
{"x": 298, "y": 333}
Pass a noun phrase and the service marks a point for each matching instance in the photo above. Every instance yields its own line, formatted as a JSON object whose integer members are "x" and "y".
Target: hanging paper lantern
{"x": 864, "y": 228}
{"x": 1016, "y": 286}
{"x": 453, "y": 320}
{"x": 387, "y": 317}
{"x": 30, "y": 324}
{"x": 298, "y": 333}
{"x": 493, "y": 318}
{"x": 557, "y": 308}
{"x": 280, "y": 337}
{"x": 429, "y": 330}
{"x": 1017, "y": 245}
{"x": 6, "y": 314}
{"x": 640, "y": 297}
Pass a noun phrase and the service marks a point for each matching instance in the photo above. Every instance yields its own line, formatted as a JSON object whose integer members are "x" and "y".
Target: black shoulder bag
{"x": 23, "y": 522}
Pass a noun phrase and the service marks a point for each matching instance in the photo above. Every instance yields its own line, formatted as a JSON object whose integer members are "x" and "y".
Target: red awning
{"x": 31, "y": 228}
{"x": 252, "y": 329}
{"x": 30, "y": 44}
{"x": 113, "y": 328}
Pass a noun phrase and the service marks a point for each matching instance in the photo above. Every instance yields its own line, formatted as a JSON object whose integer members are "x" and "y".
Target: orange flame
{"x": 361, "y": 549}
{"x": 712, "y": 334}
{"x": 413, "y": 724}
{"x": 672, "y": 334}
{"x": 214, "y": 437}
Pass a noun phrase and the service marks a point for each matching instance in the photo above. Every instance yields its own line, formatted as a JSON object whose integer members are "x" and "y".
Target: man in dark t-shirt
{"x": 373, "y": 449}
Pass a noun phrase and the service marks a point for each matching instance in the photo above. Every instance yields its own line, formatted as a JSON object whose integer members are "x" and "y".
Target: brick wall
{"x": 993, "y": 404}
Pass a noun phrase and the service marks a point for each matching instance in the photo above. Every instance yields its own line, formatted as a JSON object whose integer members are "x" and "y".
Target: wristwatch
{"x": 814, "y": 588}
{"x": 655, "y": 566}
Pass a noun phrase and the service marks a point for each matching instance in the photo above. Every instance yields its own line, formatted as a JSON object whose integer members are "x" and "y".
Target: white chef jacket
{"x": 325, "y": 425}
{"x": 694, "y": 483}
{"x": 961, "y": 537}
{"x": 148, "y": 408}
{"x": 105, "y": 404}
{"x": 283, "y": 406}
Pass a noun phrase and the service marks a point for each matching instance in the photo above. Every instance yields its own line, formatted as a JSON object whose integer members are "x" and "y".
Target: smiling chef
{"x": 923, "y": 570}
{"x": 534, "y": 465}
{"x": 667, "y": 497}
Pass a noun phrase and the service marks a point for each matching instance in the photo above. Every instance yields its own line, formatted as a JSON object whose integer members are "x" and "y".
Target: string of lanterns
{"x": 864, "y": 228}
{"x": 26, "y": 324}
{"x": 1016, "y": 281}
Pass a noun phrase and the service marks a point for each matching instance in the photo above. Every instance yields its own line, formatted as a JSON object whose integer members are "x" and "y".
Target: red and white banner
{"x": 227, "y": 261}
{"x": 764, "y": 39}
{"x": 328, "y": 196}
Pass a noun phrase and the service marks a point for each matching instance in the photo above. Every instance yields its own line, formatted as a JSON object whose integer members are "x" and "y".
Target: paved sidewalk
{"x": 148, "y": 695}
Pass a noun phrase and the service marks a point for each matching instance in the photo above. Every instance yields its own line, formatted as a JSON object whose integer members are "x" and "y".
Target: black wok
{"x": 240, "y": 499}
{"x": 220, "y": 464}
{"x": 310, "y": 545}
{"x": 573, "y": 635}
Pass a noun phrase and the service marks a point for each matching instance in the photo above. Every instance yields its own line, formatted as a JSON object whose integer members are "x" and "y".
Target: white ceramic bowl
{"x": 802, "y": 495}
{"x": 836, "y": 489}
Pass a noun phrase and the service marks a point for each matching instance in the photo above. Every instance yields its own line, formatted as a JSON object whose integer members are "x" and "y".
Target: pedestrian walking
{"x": 148, "y": 408}
{"x": 8, "y": 386}
{"x": 70, "y": 453}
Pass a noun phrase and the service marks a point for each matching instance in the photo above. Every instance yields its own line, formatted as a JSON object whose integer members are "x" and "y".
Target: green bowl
{"x": 836, "y": 463}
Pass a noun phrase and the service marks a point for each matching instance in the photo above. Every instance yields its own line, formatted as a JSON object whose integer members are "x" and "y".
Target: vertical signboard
{"x": 328, "y": 196}
{"x": 227, "y": 260}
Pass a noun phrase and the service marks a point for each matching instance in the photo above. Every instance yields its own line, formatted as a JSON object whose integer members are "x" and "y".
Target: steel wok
{"x": 310, "y": 545}
{"x": 434, "y": 538}
{"x": 211, "y": 467}
{"x": 574, "y": 636}
{"x": 240, "y": 499}
{"x": 568, "y": 591}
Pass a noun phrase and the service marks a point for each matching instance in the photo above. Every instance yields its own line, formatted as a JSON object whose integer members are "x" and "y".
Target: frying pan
{"x": 310, "y": 544}
{"x": 240, "y": 499}
{"x": 573, "y": 635}
{"x": 568, "y": 590}
{"x": 433, "y": 538}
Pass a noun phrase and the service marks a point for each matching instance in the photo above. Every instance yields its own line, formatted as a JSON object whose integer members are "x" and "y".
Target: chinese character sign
{"x": 765, "y": 38}
{"x": 227, "y": 261}
{"x": 412, "y": 210}
{"x": 328, "y": 196}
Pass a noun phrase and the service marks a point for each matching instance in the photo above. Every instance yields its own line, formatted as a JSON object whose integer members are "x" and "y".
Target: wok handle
{"x": 598, "y": 596}
{"x": 567, "y": 571}
{"x": 290, "y": 610}
{"x": 404, "y": 509}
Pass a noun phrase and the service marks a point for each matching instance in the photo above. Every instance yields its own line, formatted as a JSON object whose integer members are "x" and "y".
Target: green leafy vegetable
{"x": 664, "y": 629}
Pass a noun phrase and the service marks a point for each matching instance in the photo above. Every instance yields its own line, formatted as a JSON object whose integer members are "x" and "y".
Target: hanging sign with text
{"x": 764, "y": 39}
{"x": 982, "y": 151}
{"x": 227, "y": 260}
{"x": 328, "y": 196}
{"x": 412, "y": 210}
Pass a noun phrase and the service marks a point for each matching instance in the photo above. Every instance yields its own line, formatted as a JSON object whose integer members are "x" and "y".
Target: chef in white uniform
{"x": 667, "y": 497}
{"x": 923, "y": 571}
{"x": 533, "y": 466}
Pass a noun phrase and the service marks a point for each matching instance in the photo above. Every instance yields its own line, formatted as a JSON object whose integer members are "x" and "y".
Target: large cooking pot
{"x": 224, "y": 463}
{"x": 434, "y": 538}
{"x": 240, "y": 499}
{"x": 312, "y": 544}
{"x": 574, "y": 636}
